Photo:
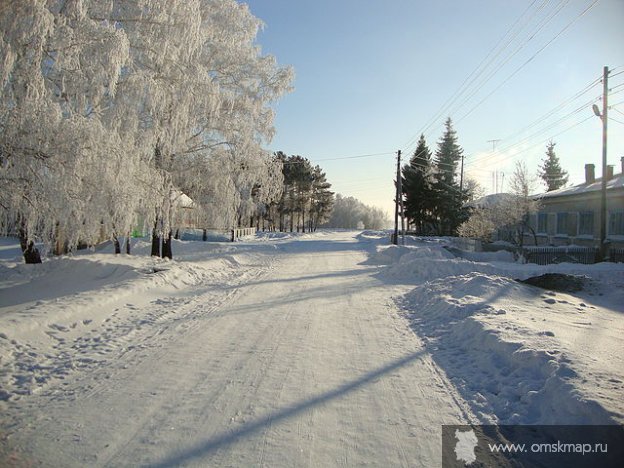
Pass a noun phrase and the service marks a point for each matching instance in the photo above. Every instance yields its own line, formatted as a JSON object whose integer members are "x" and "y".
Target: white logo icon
{"x": 465, "y": 447}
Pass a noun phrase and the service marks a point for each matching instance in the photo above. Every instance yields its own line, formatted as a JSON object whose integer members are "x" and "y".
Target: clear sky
{"x": 371, "y": 75}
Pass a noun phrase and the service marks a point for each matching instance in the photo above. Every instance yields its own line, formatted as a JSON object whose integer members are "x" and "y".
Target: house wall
{"x": 573, "y": 206}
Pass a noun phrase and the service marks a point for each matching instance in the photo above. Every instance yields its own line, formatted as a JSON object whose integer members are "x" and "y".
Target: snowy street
{"x": 305, "y": 363}
{"x": 325, "y": 349}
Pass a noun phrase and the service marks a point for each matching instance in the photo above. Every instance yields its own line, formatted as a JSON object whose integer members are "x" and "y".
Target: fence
{"x": 616, "y": 254}
{"x": 467, "y": 244}
{"x": 548, "y": 255}
{"x": 242, "y": 232}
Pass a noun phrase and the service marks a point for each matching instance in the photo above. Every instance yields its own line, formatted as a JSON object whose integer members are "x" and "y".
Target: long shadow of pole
{"x": 229, "y": 438}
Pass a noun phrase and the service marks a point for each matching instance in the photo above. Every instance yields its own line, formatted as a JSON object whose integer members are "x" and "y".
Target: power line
{"x": 530, "y": 59}
{"x": 615, "y": 87}
{"x": 356, "y": 157}
{"x": 540, "y": 26}
{"x": 555, "y": 109}
{"x": 338, "y": 158}
{"x": 477, "y": 71}
{"x": 505, "y": 158}
{"x": 532, "y": 136}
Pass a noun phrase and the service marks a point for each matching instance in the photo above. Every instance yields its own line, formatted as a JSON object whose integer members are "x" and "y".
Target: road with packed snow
{"x": 305, "y": 362}
{"x": 325, "y": 349}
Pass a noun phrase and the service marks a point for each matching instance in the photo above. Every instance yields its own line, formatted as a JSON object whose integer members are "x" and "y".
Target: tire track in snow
{"x": 310, "y": 360}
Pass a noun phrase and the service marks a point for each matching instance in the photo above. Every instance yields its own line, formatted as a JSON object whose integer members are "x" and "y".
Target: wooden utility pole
{"x": 401, "y": 207}
{"x": 461, "y": 177}
{"x": 603, "y": 199}
{"x": 397, "y": 199}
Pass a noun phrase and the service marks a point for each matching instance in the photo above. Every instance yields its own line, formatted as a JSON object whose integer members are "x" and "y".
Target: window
{"x": 542, "y": 222}
{"x": 562, "y": 224}
{"x": 616, "y": 223}
{"x": 586, "y": 223}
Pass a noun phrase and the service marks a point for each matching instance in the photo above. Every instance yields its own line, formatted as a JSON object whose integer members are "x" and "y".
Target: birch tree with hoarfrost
{"x": 108, "y": 105}
{"x": 203, "y": 85}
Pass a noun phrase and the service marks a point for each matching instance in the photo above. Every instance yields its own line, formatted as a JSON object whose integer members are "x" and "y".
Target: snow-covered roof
{"x": 615, "y": 182}
{"x": 181, "y": 200}
{"x": 490, "y": 200}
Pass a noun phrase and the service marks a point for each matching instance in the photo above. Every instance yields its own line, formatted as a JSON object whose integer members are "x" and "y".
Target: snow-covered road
{"x": 307, "y": 362}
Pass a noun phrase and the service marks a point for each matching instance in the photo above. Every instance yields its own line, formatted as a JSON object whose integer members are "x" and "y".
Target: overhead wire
{"x": 488, "y": 59}
{"x": 529, "y": 60}
{"x": 533, "y": 135}
{"x": 534, "y": 32}
{"x": 542, "y": 118}
{"x": 469, "y": 79}
{"x": 542, "y": 142}
{"x": 540, "y": 26}
{"x": 339, "y": 158}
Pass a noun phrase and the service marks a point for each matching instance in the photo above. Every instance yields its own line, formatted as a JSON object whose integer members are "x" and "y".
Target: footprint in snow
{"x": 550, "y": 301}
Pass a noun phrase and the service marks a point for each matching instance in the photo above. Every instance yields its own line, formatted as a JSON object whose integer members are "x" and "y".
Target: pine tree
{"x": 322, "y": 200}
{"x": 551, "y": 172}
{"x": 449, "y": 198}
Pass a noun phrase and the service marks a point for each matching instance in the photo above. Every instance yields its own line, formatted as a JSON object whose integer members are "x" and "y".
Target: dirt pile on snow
{"x": 557, "y": 282}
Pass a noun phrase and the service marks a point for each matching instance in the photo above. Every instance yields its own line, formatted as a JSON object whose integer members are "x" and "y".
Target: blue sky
{"x": 372, "y": 74}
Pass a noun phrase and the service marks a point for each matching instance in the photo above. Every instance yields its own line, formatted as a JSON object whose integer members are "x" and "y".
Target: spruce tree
{"x": 449, "y": 199}
{"x": 417, "y": 187}
{"x": 551, "y": 172}
{"x": 448, "y": 154}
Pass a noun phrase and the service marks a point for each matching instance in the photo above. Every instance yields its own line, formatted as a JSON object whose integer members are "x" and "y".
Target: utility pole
{"x": 401, "y": 207}
{"x": 461, "y": 176}
{"x": 603, "y": 199}
{"x": 397, "y": 199}
{"x": 495, "y": 173}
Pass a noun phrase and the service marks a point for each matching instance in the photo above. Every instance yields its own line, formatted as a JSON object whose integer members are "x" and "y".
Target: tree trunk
{"x": 167, "y": 251}
{"x": 155, "y": 240}
{"x": 177, "y": 234}
{"x": 117, "y": 245}
{"x": 29, "y": 251}
{"x": 128, "y": 239}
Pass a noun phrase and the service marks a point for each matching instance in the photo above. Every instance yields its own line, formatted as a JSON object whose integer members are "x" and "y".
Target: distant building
{"x": 571, "y": 215}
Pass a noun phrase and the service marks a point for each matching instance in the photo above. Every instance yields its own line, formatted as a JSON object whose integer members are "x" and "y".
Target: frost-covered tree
{"x": 59, "y": 67}
{"x": 106, "y": 106}
{"x": 350, "y": 213}
{"x": 550, "y": 171}
{"x": 508, "y": 211}
{"x": 202, "y": 84}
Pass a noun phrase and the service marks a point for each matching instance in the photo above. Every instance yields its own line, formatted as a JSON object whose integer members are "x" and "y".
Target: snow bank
{"x": 70, "y": 312}
{"x": 518, "y": 354}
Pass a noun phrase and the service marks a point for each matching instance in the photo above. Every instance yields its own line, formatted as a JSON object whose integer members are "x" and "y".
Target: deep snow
{"x": 517, "y": 353}
{"x": 318, "y": 350}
